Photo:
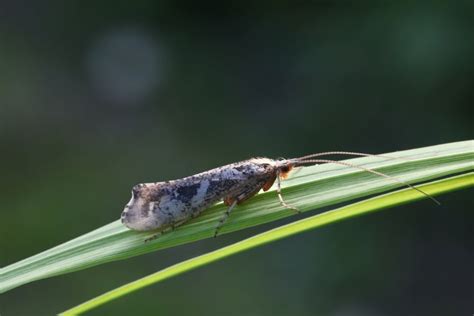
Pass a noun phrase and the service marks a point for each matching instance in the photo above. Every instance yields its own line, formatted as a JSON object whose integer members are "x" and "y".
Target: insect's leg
{"x": 280, "y": 197}
{"x": 231, "y": 201}
{"x": 164, "y": 231}
{"x": 225, "y": 217}
{"x": 153, "y": 237}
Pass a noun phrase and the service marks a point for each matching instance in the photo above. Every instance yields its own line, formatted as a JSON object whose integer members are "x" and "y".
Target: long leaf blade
{"x": 356, "y": 209}
{"x": 308, "y": 189}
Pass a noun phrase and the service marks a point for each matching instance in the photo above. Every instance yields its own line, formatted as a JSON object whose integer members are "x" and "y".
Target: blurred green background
{"x": 98, "y": 96}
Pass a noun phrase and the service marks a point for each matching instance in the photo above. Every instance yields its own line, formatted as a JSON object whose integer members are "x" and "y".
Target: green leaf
{"x": 308, "y": 188}
{"x": 363, "y": 207}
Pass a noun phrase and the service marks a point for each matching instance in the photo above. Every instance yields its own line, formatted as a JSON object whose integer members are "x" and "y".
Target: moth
{"x": 165, "y": 205}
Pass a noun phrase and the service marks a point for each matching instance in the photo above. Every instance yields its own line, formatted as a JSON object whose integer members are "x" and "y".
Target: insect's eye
{"x": 285, "y": 169}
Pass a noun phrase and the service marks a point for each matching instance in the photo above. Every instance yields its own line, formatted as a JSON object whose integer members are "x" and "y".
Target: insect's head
{"x": 136, "y": 214}
{"x": 284, "y": 166}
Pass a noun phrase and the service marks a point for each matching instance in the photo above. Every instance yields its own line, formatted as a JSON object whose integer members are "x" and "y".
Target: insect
{"x": 165, "y": 205}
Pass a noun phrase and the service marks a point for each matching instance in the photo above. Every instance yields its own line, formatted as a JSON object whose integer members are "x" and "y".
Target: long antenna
{"x": 298, "y": 162}
{"x": 351, "y": 153}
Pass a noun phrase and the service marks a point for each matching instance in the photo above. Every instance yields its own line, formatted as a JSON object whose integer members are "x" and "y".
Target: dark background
{"x": 98, "y": 96}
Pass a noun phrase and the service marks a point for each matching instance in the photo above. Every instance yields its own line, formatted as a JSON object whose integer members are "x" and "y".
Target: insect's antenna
{"x": 297, "y": 162}
{"x": 350, "y": 153}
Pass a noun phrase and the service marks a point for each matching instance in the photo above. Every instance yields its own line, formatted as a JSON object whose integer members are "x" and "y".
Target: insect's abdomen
{"x": 162, "y": 204}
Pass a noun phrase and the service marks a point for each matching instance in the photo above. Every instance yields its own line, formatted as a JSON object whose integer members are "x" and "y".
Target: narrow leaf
{"x": 360, "y": 208}
{"x": 307, "y": 188}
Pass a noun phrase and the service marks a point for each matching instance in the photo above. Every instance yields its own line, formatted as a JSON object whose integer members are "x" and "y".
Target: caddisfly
{"x": 161, "y": 205}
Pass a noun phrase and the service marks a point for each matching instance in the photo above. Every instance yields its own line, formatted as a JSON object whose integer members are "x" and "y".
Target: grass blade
{"x": 308, "y": 188}
{"x": 360, "y": 208}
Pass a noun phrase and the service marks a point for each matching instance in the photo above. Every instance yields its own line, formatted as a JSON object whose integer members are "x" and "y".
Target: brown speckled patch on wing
{"x": 244, "y": 195}
{"x": 248, "y": 195}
